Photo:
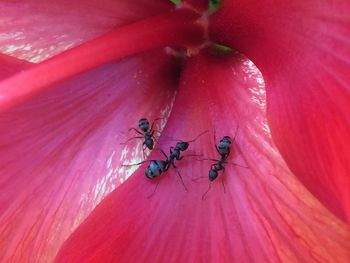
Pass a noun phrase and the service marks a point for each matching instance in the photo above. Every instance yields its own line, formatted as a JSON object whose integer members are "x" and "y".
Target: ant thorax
{"x": 174, "y": 153}
{"x": 149, "y": 142}
{"x": 217, "y": 166}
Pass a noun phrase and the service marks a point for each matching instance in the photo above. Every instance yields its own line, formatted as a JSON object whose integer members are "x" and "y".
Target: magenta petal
{"x": 10, "y": 65}
{"x": 266, "y": 214}
{"x": 38, "y": 29}
{"x": 61, "y": 152}
{"x": 175, "y": 28}
{"x": 302, "y": 49}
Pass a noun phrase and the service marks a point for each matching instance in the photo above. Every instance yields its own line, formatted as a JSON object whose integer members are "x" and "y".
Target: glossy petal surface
{"x": 303, "y": 51}
{"x": 64, "y": 154}
{"x": 266, "y": 215}
{"x": 38, "y": 29}
{"x": 176, "y": 28}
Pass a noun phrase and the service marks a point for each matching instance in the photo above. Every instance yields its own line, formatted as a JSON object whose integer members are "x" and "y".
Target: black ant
{"x": 224, "y": 149}
{"x": 181, "y": 146}
{"x": 156, "y": 167}
{"x": 147, "y": 134}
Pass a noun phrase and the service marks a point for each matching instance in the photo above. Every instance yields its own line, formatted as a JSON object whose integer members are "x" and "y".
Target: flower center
{"x": 184, "y": 29}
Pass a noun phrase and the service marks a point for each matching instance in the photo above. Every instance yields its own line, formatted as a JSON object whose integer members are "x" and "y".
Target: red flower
{"x": 62, "y": 122}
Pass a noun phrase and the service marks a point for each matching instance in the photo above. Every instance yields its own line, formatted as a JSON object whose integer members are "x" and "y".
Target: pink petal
{"x": 61, "y": 153}
{"x": 177, "y": 28}
{"x": 38, "y": 29}
{"x": 266, "y": 215}
{"x": 302, "y": 49}
{"x": 10, "y": 65}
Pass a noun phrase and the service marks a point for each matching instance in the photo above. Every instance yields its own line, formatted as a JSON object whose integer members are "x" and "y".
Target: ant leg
{"x": 152, "y": 133}
{"x": 223, "y": 179}
{"x": 189, "y": 155}
{"x": 182, "y": 181}
{"x": 154, "y": 138}
{"x": 208, "y": 159}
{"x": 163, "y": 153}
{"x": 236, "y": 164}
{"x": 203, "y": 196}
{"x": 154, "y": 122}
{"x": 132, "y": 164}
{"x": 137, "y": 137}
{"x": 157, "y": 131}
{"x": 144, "y": 146}
{"x": 177, "y": 140}
{"x": 199, "y": 177}
{"x": 217, "y": 149}
{"x": 215, "y": 140}
{"x": 223, "y": 185}
{"x": 136, "y": 131}
{"x": 155, "y": 188}
{"x": 235, "y": 133}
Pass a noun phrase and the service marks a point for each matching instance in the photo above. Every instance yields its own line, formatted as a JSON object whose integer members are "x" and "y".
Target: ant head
{"x": 226, "y": 140}
{"x": 212, "y": 174}
{"x": 182, "y": 146}
{"x": 224, "y": 145}
{"x": 143, "y": 124}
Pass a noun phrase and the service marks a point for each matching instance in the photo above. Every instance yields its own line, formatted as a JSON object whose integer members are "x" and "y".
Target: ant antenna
{"x": 203, "y": 196}
{"x": 133, "y": 164}
{"x": 176, "y": 140}
{"x": 137, "y": 137}
{"x": 234, "y": 138}
{"x": 182, "y": 181}
{"x": 157, "y": 119}
{"x": 223, "y": 185}
{"x": 133, "y": 129}
{"x": 215, "y": 140}
{"x": 199, "y": 135}
{"x": 155, "y": 188}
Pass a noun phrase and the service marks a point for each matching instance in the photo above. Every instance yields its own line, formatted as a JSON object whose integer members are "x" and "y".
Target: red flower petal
{"x": 176, "y": 28}
{"x": 265, "y": 216}
{"x": 10, "y": 66}
{"x": 61, "y": 153}
{"x": 36, "y": 30}
{"x": 302, "y": 49}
